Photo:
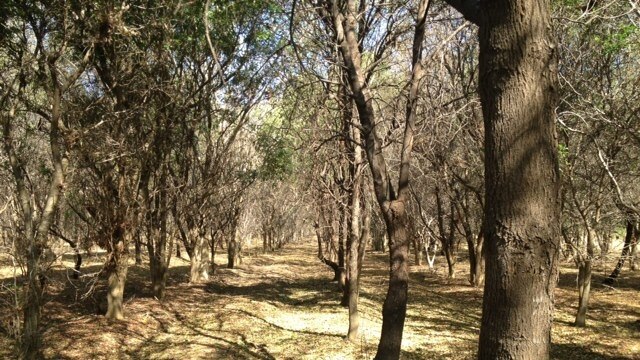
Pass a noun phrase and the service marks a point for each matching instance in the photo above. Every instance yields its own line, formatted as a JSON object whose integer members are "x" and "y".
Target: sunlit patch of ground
{"x": 282, "y": 306}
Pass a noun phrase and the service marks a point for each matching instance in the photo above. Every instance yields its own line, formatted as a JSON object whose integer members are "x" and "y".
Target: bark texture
{"x": 518, "y": 82}
{"x": 117, "y": 276}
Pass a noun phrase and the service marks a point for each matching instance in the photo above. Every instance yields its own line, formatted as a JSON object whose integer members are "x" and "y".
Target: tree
{"x": 518, "y": 91}
{"x": 34, "y": 41}
{"x": 349, "y": 25}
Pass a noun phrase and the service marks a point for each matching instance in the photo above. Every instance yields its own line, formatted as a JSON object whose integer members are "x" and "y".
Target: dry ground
{"x": 282, "y": 306}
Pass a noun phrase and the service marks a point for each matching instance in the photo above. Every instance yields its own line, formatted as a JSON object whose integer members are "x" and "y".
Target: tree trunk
{"x": 159, "y": 257}
{"x": 394, "y": 309}
{"x": 200, "y": 259}
{"x": 159, "y": 279}
{"x": 264, "y": 242}
{"x": 231, "y": 253}
{"x": 471, "y": 249}
{"x": 633, "y": 255}
{"x": 518, "y": 83}
{"x": 138, "y": 249}
{"x": 628, "y": 240}
{"x": 417, "y": 248}
{"x": 117, "y": 275}
{"x": 479, "y": 270}
{"x": 447, "y": 239}
{"x": 31, "y": 338}
{"x": 355, "y": 230}
{"x": 584, "y": 287}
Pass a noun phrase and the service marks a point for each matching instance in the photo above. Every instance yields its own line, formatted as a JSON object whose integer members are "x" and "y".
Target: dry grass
{"x": 282, "y": 306}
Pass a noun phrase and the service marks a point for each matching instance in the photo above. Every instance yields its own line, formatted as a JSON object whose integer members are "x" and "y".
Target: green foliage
{"x": 617, "y": 40}
{"x": 277, "y": 149}
{"x": 563, "y": 154}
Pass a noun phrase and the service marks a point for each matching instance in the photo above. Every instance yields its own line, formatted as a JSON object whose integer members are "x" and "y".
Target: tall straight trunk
{"x": 628, "y": 240}
{"x": 518, "y": 84}
{"x": 117, "y": 275}
{"x": 355, "y": 231}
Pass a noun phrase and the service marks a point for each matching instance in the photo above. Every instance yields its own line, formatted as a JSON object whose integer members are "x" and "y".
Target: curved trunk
{"x": 628, "y": 240}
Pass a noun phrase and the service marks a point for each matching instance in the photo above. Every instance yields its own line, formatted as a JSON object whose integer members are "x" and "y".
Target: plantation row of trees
{"x": 142, "y": 127}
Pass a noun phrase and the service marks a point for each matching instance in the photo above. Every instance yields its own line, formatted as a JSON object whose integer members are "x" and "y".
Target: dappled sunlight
{"x": 282, "y": 305}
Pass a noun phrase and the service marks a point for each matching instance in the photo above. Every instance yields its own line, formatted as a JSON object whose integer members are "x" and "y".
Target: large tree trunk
{"x": 518, "y": 84}
{"x": 628, "y": 240}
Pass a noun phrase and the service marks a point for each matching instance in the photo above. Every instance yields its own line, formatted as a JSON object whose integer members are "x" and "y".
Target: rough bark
{"x": 394, "y": 308}
{"x": 518, "y": 83}
{"x": 117, "y": 275}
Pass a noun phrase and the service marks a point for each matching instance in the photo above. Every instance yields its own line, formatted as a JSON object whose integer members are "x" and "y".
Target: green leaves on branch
{"x": 617, "y": 39}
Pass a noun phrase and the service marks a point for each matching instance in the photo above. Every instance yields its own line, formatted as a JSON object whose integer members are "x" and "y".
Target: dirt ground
{"x": 282, "y": 305}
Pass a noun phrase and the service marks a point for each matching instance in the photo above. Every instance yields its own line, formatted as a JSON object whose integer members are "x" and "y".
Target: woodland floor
{"x": 282, "y": 305}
